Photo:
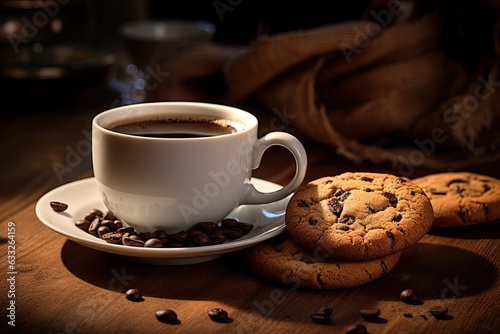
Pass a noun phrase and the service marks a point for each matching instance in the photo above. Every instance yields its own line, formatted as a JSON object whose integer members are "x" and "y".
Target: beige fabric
{"x": 371, "y": 92}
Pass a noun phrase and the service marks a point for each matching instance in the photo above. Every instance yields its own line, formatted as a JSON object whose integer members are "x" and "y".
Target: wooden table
{"x": 58, "y": 286}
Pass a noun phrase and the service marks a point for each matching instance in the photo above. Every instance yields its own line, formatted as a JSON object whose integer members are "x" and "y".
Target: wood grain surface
{"x": 63, "y": 287}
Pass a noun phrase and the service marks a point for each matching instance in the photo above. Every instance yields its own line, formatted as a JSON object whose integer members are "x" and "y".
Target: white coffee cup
{"x": 173, "y": 183}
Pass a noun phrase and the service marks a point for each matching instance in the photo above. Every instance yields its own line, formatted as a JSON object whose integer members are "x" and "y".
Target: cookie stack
{"x": 461, "y": 198}
{"x": 344, "y": 231}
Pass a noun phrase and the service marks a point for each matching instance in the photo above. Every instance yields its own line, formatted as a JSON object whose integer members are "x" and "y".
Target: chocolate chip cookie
{"x": 462, "y": 198}
{"x": 283, "y": 261}
{"x": 358, "y": 216}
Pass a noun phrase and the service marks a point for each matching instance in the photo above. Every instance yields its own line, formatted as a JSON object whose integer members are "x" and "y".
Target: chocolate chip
{"x": 391, "y": 237}
{"x": 58, "y": 206}
{"x": 302, "y": 204}
{"x": 462, "y": 212}
{"x": 313, "y": 221}
{"x": 335, "y": 206}
{"x": 412, "y": 193}
{"x": 366, "y": 179}
{"x": 308, "y": 260}
{"x": 343, "y": 228}
{"x": 456, "y": 181}
{"x": 371, "y": 209}
{"x": 393, "y": 200}
{"x": 218, "y": 315}
{"x": 322, "y": 316}
{"x": 397, "y": 217}
{"x": 408, "y": 315}
{"x": 338, "y": 192}
{"x": 486, "y": 209}
{"x": 133, "y": 295}
{"x": 370, "y": 314}
{"x": 327, "y": 182}
{"x": 348, "y": 220}
{"x": 401, "y": 180}
{"x": 486, "y": 187}
{"x": 167, "y": 316}
{"x": 368, "y": 190}
{"x": 384, "y": 267}
{"x": 437, "y": 192}
{"x": 439, "y": 311}
{"x": 408, "y": 296}
{"x": 356, "y": 329}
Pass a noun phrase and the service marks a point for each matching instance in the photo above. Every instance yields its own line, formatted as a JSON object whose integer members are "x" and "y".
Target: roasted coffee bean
{"x": 408, "y": 296}
{"x": 102, "y": 230}
{"x": 132, "y": 240}
{"x": 94, "y": 226}
{"x": 229, "y": 222}
{"x": 245, "y": 227}
{"x": 201, "y": 239}
{"x": 233, "y": 233}
{"x": 159, "y": 234}
{"x": 92, "y": 214}
{"x": 192, "y": 232}
{"x": 218, "y": 315}
{"x": 218, "y": 237}
{"x": 109, "y": 224}
{"x": 126, "y": 229}
{"x": 322, "y": 316}
{"x": 112, "y": 237}
{"x": 110, "y": 216}
{"x": 207, "y": 227}
{"x": 58, "y": 206}
{"x": 370, "y": 314}
{"x": 144, "y": 236}
{"x": 167, "y": 316}
{"x": 439, "y": 311}
{"x": 133, "y": 295}
{"x": 356, "y": 329}
{"x": 83, "y": 224}
{"x": 175, "y": 244}
{"x": 118, "y": 224}
{"x": 153, "y": 243}
{"x": 180, "y": 236}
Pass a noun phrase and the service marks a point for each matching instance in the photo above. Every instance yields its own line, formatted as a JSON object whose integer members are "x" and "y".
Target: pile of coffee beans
{"x": 106, "y": 226}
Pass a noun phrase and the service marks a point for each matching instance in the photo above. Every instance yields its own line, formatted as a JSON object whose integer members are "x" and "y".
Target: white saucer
{"x": 82, "y": 195}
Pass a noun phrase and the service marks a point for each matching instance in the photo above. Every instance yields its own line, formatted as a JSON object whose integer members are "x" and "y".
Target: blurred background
{"x": 61, "y": 46}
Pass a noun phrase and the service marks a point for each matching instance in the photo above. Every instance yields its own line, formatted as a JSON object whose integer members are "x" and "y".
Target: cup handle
{"x": 253, "y": 196}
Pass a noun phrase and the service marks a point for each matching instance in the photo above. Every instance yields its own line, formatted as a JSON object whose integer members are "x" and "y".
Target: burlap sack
{"x": 374, "y": 91}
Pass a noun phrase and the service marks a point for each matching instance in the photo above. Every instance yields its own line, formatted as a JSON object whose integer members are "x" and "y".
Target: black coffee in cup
{"x": 172, "y": 128}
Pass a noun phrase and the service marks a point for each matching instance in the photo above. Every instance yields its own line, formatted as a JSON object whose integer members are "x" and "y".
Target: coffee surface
{"x": 177, "y": 128}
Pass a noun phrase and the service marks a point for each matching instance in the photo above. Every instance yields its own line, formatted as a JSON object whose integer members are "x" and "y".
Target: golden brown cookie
{"x": 358, "y": 216}
{"x": 283, "y": 261}
{"x": 462, "y": 198}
